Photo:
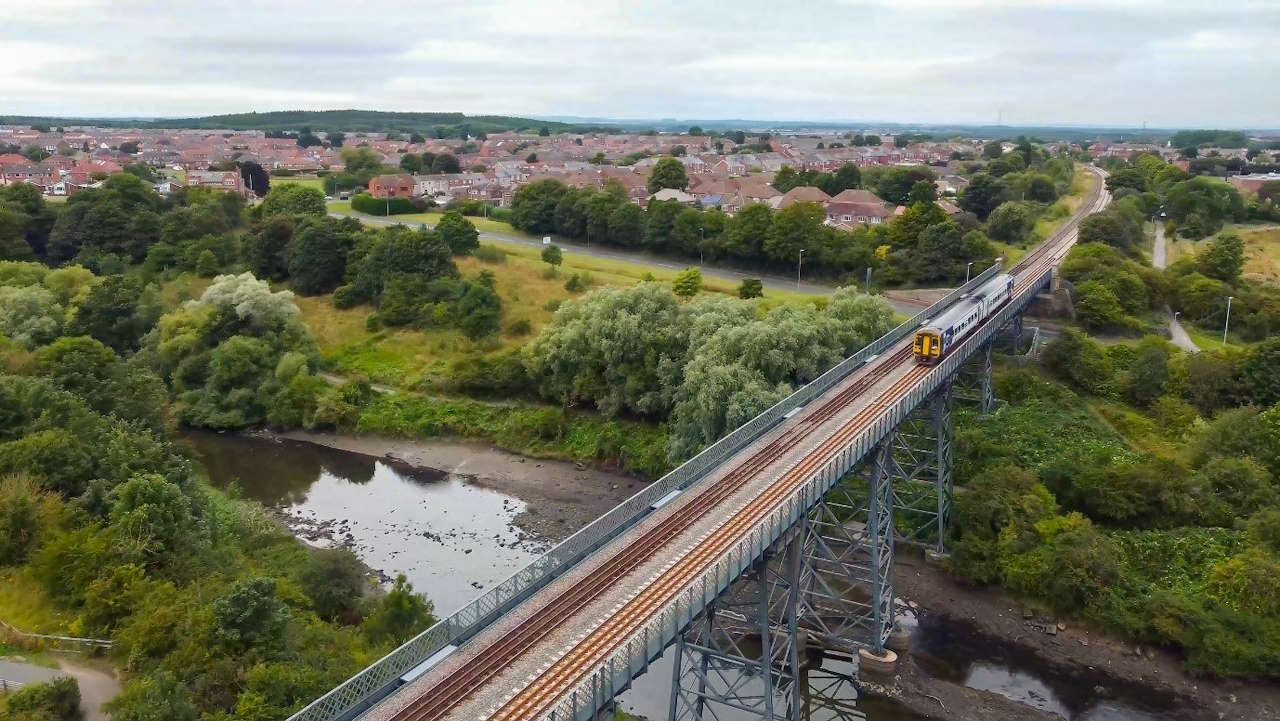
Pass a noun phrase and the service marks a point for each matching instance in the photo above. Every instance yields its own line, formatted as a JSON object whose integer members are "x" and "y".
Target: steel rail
{"x": 609, "y": 635}
{"x": 439, "y": 699}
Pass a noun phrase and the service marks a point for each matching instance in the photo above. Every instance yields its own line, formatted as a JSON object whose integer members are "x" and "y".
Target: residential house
{"x": 674, "y": 194}
{"x": 229, "y": 180}
{"x": 848, "y": 214}
{"x": 802, "y": 194}
{"x": 392, "y": 186}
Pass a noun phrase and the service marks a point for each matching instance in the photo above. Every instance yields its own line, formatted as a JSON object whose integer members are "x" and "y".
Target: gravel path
{"x": 1160, "y": 259}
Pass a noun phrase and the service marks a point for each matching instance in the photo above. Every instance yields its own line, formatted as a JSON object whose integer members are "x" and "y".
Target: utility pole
{"x": 1227, "y": 322}
{"x": 868, "y": 280}
{"x": 799, "y": 265}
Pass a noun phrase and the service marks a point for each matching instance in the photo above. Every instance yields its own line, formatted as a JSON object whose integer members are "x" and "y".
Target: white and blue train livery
{"x": 939, "y": 334}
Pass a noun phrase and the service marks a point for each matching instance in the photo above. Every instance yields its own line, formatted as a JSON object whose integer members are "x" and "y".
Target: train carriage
{"x": 937, "y": 335}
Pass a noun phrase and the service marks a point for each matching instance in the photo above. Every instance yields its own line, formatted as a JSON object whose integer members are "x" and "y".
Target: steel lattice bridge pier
{"x": 776, "y": 539}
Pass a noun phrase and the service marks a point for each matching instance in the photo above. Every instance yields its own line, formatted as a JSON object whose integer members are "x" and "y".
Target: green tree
{"x": 206, "y": 264}
{"x": 687, "y": 282}
{"x": 153, "y": 516}
{"x": 400, "y": 614}
{"x": 117, "y": 311}
{"x": 411, "y": 163}
{"x": 992, "y": 149}
{"x": 552, "y": 256}
{"x": 293, "y": 199}
{"x": 158, "y": 696}
{"x": 1223, "y": 258}
{"x": 922, "y": 191}
{"x": 667, "y": 173}
{"x": 1259, "y": 372}
{"x": 983, "y": 194}
{"x": 1009, "y": 222}
{"x": 29, "y": 316}
{"x": 606, "y": 347}
{"x": 250, "y": 617}
{"x": 751, "y": 288}
{"x": 626, "y": 226}
{"x": 534, "y": 206}
{"x": 443, "y": 163}
{"x": 335, "y": 581}
{"x": 24, "y": 507}
{"x": 798, "y": 226}
{"x": 458, "y": 232}
{"x": 1098, "y": 306}
{"x": 266, "y": 245}
{"x": 748, "y": 230}
{"x": 1148, "y": 372}
{"x": 316, "y": 257}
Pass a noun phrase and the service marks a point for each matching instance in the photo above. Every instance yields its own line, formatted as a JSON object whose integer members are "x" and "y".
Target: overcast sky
{"x": 1123, "y": 62}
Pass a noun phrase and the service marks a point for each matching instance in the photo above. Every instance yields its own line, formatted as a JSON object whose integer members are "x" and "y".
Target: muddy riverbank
{"x": 454, "y": 518}
{"x": 562, "y": 496}
{"x": 1082, "y": 669}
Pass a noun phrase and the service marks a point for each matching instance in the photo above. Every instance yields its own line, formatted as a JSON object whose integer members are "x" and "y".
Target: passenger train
{"x": 939, "y": 334}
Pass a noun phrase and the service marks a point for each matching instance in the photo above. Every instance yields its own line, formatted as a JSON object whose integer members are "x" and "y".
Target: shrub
{"x": 55, "y": 700}
{"x": 365, "y": 203}
{"x": 520, "y": 328}
{"x": 751, "y": 288}
{"x": 578, "y": 282}
{"x": 489, "y": 254}
{"x": 1066, "y": 562}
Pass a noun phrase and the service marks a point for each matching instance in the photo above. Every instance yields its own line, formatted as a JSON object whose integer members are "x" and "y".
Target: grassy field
{"x": 1261, "y": 251}
{"x": 431, "y": 218}
{"x": 605, "y": 270}
{"x": 309, "y": 181}
{"x": 23, "y": 604}
{"x": 408, "y": 357}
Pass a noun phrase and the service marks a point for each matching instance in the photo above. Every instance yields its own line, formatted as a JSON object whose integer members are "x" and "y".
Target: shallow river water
{"x": 453, "y": 538}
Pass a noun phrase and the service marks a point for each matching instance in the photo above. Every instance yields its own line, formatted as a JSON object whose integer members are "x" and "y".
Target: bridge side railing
{"x": 632, "y": 656}
{"x": 373, "y": 683}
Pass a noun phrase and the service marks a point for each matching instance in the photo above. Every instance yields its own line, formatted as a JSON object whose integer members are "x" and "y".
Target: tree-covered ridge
{"x": 369, "y": 121}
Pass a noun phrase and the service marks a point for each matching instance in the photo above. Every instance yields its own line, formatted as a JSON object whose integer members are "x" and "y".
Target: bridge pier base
{"x": 745, "y": 651}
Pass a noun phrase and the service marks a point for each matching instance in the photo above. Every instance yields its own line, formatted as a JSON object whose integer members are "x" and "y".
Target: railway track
{"x": 437, "y": 701}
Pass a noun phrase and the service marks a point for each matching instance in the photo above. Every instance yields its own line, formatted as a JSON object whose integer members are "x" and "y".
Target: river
{"x": 454, "y": 535}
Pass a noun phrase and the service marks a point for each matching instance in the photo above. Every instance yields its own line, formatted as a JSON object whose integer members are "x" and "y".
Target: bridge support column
{"x": 846, "y": 583}
{"x": 973, "y": 382}
{"x": 921, "y": 468}
{"x": 744, "y": 652}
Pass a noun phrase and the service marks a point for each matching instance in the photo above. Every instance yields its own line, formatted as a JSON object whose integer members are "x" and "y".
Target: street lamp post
{"x": 799, "y": 265}
{"x": 1226, "y": 322}
{"x": 966, "y": 271}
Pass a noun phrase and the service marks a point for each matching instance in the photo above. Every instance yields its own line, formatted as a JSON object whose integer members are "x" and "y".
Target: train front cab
{"x": 927, "y": 347}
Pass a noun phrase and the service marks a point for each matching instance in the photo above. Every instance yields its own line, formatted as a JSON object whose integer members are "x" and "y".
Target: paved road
{"x": 773, "y": 282}
{"x": 1159, "y": 259}
{"x": 25, "y": 673}
{"x": 96, "y": 687}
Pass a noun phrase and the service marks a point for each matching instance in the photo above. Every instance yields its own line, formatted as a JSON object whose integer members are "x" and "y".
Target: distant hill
{"x": 369, "y": 121}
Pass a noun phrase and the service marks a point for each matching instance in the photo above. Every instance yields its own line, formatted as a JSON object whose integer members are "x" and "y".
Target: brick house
{"x": 392, "y": 186}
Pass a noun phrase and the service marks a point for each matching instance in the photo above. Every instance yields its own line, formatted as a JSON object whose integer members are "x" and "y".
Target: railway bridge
{"x": 777, "y": 539}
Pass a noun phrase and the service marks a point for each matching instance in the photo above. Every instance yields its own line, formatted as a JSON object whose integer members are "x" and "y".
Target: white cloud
{"x": 1037, "y": 61}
